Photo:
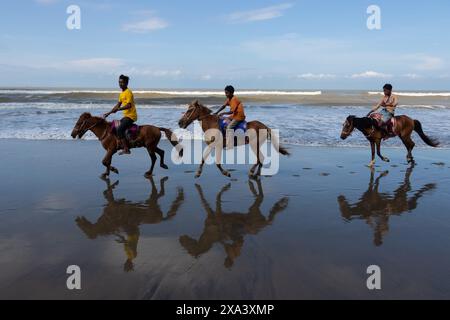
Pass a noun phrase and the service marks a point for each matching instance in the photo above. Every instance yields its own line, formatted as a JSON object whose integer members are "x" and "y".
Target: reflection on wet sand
{"x": 122, "y": 218}
{"x": 230, "y": 228}
{"x": 377, "y": 207}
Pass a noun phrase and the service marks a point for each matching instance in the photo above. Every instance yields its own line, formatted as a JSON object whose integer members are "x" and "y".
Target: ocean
{"x": 309, "y": 118}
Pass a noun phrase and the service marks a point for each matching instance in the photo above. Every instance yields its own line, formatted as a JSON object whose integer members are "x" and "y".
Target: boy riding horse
{"x": 236, "y": 113}
{"x": 127, "y": 105}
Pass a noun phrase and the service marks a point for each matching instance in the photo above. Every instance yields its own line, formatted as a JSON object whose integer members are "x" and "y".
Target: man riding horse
{"x": 127, "y": 105}
{"x": 388, "y": 104}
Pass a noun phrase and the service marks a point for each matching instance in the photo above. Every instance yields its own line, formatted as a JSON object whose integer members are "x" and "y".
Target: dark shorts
{"x": 125, "y": 124}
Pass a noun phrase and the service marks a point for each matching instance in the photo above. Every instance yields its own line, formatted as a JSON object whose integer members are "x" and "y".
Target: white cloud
{"x": 430, "y": 63}
{"x": 412, "y": 76}
{"x": 312, "y": 76}
{"x": 206, "y": 77}
{"x": 424, "y": 62}
{"x": 146, "y": 25}
{"x": 267, "y": 13}
{"x": 370, "y": 75}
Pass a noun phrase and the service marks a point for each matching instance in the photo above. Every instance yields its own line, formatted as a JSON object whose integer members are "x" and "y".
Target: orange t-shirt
{"x": 237, "y": 108}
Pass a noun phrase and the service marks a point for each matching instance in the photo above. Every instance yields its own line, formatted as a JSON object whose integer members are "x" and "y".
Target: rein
{"x": 96, "y": 124}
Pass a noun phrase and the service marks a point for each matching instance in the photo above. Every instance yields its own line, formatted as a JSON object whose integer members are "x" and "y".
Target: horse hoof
{"x": 226, "y": 174}
{"x": 104, "y": 176}
{"x": 148, "y": 175}
{"x": 164, "y": 167}
{"x": 371, "y": 165}
{"x": 386, "y": 160}
{"x": 197, "y": 175}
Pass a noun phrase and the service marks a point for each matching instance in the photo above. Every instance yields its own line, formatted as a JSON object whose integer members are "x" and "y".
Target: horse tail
{"x": 173, "y": 140}
{"x": 276, "y": 144}
{"x": 429, "y": 141}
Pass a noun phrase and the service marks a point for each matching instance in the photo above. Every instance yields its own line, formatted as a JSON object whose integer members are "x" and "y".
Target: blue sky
{"x": 322, "y": 44}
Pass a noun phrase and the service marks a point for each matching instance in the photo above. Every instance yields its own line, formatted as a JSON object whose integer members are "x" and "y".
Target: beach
{"x": 308, "y": 232}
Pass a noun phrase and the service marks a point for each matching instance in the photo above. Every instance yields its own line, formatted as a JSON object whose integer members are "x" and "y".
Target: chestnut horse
{"x": 148, "y": 137}
{"x": 199, "y": 112}
{"x": 403, "y": 129}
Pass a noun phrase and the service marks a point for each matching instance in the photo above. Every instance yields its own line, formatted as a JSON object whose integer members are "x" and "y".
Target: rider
{"x": 127, "y": 105}
{"x": 388, "y": 104}
{"x": 236, "y": 112}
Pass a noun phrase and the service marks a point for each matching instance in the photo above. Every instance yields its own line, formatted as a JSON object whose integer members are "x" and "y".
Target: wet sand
{"x": 309, "y": 232}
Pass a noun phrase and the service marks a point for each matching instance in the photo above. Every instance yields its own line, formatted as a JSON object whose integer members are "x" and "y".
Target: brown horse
{"x": 197, "y": 111}
{"x": 404, "y": 128}
{"x": 148, "y": 137}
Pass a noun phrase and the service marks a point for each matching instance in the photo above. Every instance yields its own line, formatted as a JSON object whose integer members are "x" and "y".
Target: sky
{"x": 252, "y": 44}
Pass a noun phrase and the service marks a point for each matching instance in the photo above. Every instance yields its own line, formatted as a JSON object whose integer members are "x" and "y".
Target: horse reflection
{"x": 122, "y": 218}
{"x": 229, "y": 229}
{"x": 376, "y": 207}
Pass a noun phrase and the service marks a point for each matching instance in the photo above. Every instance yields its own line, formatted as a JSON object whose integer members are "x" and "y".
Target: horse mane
{"x": 100, "y": 120}
{"x": 205, "y": 108}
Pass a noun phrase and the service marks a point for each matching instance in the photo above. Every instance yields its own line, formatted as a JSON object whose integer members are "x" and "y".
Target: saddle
{"x": 130, "y": 134}
{"x": 391, "y": 125}
{"x": 223, "y": 126}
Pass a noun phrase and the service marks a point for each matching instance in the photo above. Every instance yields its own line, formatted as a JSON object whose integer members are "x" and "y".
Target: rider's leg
{"x": 125, "y": 123}
{"x": 230, "y": 133}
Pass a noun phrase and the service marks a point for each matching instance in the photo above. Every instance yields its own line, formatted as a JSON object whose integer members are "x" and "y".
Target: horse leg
{"x": 259, "y": 160}
{"x": 204, "y": 157}
{"x": 152, "y": 155}
{"x": 160, "y": 152}
{"x": 372, "y": 146}
{"x": 223, "y": 171}
{"x": 409, "y": 144}
{"x": 385, "y": 159}
{"x": 107, "y": 163}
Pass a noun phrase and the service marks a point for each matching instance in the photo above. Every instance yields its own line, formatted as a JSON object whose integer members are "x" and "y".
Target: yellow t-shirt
{"x": 125, "y": 98}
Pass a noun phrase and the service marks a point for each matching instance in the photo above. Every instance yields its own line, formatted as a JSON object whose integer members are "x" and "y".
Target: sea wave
{"x": 415, "y": 94}
{"x": 163, "y": 92}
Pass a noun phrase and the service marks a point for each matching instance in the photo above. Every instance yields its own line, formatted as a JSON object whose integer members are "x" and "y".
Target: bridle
{"x": 92, "y": 127}
{"x": 188, "y": 119}
{"x": 348, "y": 133}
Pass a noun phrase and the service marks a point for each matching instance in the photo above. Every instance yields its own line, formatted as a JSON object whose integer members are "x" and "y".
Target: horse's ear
{"x": 195, "y": 103}
{"x": 86, "y": 115}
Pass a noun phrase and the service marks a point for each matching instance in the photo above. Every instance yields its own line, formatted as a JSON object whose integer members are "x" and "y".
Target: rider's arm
{"x": 125, "y": 107}
{"x": 227, "y": 103}
{"x": 376, "y": 107}
{"x": 220, "y": 109}
{"x": 225, "y": 113}
{"x": 394, "y": 102}
{"x": 113, "y": 110}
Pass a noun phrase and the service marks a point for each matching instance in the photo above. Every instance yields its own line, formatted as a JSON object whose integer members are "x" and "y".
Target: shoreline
{"x": 286, "y": 144}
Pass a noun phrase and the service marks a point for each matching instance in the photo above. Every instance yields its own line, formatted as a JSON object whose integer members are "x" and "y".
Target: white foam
{"x": 416, "y": 94}
{"x": 162, "y": 92}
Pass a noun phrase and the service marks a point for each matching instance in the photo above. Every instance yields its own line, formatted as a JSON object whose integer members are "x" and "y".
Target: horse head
{"x": 194, "y": 112}
{"x": 348, "y": 127}
{"x": 80, "y": 128}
